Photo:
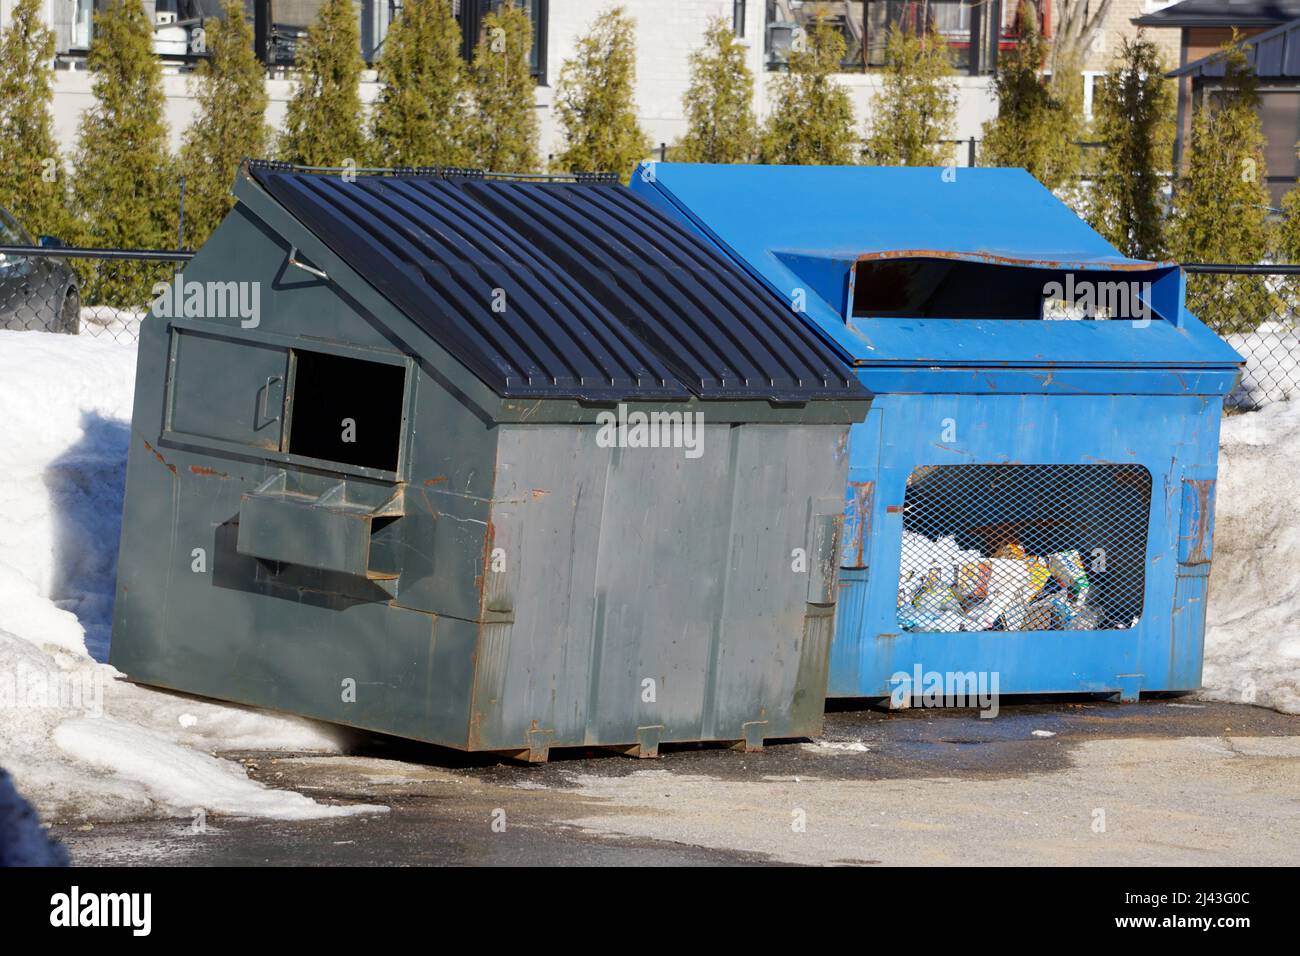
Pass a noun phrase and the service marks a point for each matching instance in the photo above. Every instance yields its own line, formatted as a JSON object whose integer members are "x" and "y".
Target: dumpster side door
{"x": 226, "y": 389}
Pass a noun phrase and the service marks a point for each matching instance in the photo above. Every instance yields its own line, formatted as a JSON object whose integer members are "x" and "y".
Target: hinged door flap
{"x": 226, "y": 389}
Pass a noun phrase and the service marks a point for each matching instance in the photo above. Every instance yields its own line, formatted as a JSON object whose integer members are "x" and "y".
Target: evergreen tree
{"x": 1221, "y": 204}
{"x": 323, "y": 119}
{"x": 421, "y": 116}
{"x": 594, "y": 100}
{"x": 1134, "y": 121}
{"x": 230, "y": 124}
{"x": 31, "y": 170}
{"x": 1288, "y": 238}
{"x": 504, "y": 131}
{"x": 125, "y": 191}
{"x": 916, "y": 106}
{"x": 718, "y": 104}
{"x": 1287, "y": 242}
{"x": 1038, "y": 120}
{"x": 812, "y": 117}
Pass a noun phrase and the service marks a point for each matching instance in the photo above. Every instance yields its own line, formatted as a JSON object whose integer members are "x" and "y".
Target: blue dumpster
{"x": 1031, "y": 495}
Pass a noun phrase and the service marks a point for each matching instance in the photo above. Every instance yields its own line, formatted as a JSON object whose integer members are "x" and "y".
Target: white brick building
{"x": 667, "y": 31}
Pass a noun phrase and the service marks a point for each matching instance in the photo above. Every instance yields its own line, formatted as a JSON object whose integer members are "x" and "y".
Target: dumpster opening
{"x": 347, "y": 410}
{"x": 943, "y": 288}
{"x": 1024, "y": 547}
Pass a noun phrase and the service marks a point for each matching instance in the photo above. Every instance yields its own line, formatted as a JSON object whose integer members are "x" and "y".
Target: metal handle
{"x": 263, "y": 409}
{"x": 294, "y": 261}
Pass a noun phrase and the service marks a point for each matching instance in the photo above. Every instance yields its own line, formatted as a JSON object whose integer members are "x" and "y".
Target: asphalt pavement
{"x": 1081, "y": 781}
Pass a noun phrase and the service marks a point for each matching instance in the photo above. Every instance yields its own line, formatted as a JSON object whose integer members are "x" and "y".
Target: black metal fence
{"x": 107, "y": 292}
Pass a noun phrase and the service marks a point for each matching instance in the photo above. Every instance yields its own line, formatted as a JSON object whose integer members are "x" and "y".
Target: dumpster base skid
{"x": 647, "y": 748}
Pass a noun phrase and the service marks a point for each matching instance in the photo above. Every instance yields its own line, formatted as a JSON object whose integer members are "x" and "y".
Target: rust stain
{"x": 210, "y": 472}
{"x": 475, "y": 730}
{"x": 981, "y": 256}
{"x": 895, "y": 509}
{"x": 485, "y": 562}
{"x": 435, "y": 480}
{"x": 1200, "y": 531}
{"x": 154, "y": 452}
{"x": 863, "y": 495}
{"x": 540, "y": 493}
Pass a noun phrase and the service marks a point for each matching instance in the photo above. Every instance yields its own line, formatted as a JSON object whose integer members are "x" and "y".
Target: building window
{"x": 83, "y": 18}
{"x": 789, "y": 20}
{"x": 961, "y": 23}
{"x": 376, "y": 17}
{"x": 974, "y": 30}
{"x": 281, "y": 26}
{"x": 738, "y": 18}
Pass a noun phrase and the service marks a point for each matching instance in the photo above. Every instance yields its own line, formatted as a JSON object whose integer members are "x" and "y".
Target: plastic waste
{"x": 943, "y": 587}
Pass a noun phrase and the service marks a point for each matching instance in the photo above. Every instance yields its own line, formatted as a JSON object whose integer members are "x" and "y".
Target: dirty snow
{"x": 80, "y": 742}
{"x": 835, "y": 747}
{"x": 1252, "y": 642}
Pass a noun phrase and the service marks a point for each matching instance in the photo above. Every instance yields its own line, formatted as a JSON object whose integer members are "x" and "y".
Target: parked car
{"x": 37, "y": 293}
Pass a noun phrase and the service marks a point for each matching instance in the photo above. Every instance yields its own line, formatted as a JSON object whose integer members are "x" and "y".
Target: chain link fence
{"x": 107, "y": 292}
{"x": 98, "y": 292}
{"x": 1254, "y": 309}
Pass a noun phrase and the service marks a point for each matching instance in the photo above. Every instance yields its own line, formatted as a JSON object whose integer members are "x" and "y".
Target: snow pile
{"x": 81, "y": 742}
{"x": 1252, "y": 643}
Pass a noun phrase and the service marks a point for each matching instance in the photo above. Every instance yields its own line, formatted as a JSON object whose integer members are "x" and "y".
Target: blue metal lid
{"x": 598, "y": 295}
{"x": 805, "y": 230}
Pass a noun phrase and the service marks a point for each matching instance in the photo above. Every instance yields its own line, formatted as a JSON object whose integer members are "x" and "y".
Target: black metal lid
{"x": 563, "y": 289}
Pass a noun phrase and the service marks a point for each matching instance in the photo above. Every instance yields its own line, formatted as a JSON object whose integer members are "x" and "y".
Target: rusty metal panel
{"x": 1196, "y": 524}
{"x": 857, "y": 523}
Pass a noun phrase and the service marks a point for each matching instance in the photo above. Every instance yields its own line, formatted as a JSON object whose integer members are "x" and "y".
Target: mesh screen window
{"x": 1023, "y": 547}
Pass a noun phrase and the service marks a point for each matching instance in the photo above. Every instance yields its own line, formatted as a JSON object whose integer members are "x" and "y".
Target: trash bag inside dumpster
{"x": 945, "y": 588}
{"x": 1023, "y": 548}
